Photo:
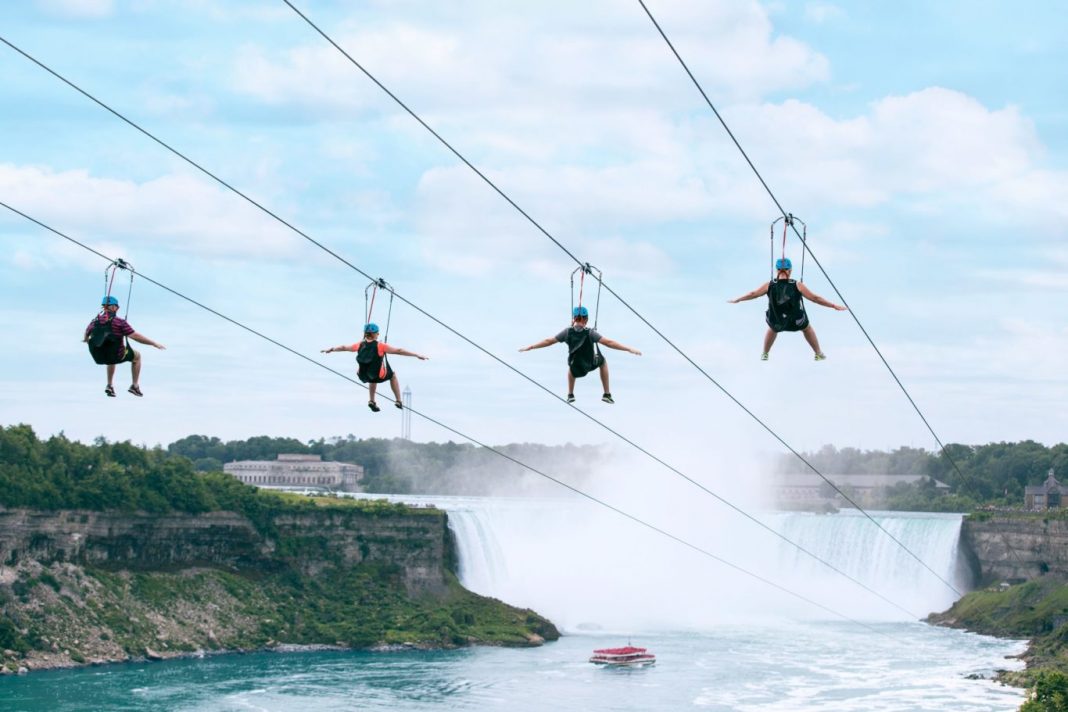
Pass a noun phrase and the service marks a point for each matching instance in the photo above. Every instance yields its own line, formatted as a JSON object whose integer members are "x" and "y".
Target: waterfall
{"x": 583, "y": 566}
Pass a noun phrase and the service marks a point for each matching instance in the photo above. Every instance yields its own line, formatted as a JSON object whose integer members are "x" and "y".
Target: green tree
{"x": 1049, "y": 693}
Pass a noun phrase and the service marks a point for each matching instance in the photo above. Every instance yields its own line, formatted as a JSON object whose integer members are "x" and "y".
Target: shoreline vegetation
{"x": 1034, "y": 609}
{"x": 302, "y": 571}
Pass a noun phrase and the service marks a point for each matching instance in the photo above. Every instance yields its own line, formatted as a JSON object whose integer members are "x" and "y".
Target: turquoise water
{"x": 788, "y": 668}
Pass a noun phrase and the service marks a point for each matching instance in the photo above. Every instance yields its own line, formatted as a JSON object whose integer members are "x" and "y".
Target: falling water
{"x": 586, "y": 569}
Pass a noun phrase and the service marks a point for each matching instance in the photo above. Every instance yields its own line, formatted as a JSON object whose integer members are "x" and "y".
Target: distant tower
{"x": 406, "y": 415}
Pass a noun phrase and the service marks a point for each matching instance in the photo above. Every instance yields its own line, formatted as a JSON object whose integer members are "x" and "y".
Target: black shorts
{"x": 578, "y": 370}
{"x": 377, "y": 377}
{"x": 788, "y": 326}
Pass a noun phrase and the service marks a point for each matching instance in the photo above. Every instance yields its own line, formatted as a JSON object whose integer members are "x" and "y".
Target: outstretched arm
{"x": 618, "y": 346}
{"x": 343, "y": 347}
{"x": 813, "y": 297}
{"x": 758, "y": 292}
{"x": 541, "y": 344}
{"x": 405, "y": 352}
{"x": 142, "y": 339}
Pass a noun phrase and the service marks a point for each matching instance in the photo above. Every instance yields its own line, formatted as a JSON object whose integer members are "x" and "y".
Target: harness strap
{"x": 785, "y": 224}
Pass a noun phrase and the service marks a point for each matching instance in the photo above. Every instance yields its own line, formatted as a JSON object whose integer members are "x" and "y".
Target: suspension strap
{"x": 597, "y": 304}
{"x": 389, "y": 315}
{"x": 367, "y": 309}
{"x": 369, "y": 294}
{"x": 785, "y": 224}
{"x": 771, "y": 253}
{"x": 109, "y": 280}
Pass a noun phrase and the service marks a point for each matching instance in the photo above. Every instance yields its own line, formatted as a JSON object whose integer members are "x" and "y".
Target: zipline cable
{"x": 806, "y": 248}
{"x": 467, "y": 437}
{"x": 607, "y": 288}
{"x": 460, "y": 335}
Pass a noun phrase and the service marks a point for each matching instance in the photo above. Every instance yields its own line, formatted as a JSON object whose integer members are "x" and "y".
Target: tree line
{"x": 991, "y": 474}
{"x": 59, "y": 473}
{"x": 401, "y": 466}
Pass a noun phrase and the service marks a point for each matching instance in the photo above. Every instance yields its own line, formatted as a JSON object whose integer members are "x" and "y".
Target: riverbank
{"x": 1035, "y": 610}
{"x": 64, "y": 615}
{"x": 1021, "y": 561}
{"x": 81, "y": 587}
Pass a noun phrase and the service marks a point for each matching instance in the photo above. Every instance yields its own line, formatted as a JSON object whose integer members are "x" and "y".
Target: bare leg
{"x": 604, "y": 377}
{"x": 111, "y": 373}
{"x": 395, "y": 385}
{"x": 135, "y": 369}
{"x": 570, "y": 381}
{"x": 769, "y": 339}
{"x": 810, "y": 337}
{"x": 371, "y": 388}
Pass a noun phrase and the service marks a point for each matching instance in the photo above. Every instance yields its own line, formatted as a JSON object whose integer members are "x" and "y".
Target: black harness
{"x": 372, "y": 368}
{"x": 583, "y": 355}
{"x": 786, "y": 308}
{"x": 105, "y": 346}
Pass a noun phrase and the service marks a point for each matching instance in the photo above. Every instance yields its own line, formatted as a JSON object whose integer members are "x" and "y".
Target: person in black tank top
{"x": 583, "y": 354}
{"x": 372, "y": 366}
{"x": 786, "y": 308}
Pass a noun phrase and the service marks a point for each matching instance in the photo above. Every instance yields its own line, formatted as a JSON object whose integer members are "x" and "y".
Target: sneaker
{"x": 821, "y": 356}
{"x": 570, "y": 397}
{"x": 135, "y": 390}
{"x": 764, "y": 356}
{"x": 110, "y": 391}
{"x": 373, "y": 406}
{"x": 399, "y": 405}
{"x": 607, "y": 398}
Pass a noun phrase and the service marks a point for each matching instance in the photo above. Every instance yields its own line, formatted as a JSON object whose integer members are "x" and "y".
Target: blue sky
{"x": 923, "y": 143}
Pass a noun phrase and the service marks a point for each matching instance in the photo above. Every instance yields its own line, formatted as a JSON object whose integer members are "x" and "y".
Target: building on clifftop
{"x": 300, "y": 471}
{"x": 809, "y": 491}
{"x": 1047, "y": 495}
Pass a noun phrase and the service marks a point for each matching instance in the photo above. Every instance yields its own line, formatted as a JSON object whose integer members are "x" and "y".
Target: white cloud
{"x": 471, "y": 56}
{"x": 178, "y": 212}
{"x": 936, "y": 150}
{"x": 822, "y": 12}
{"x": 79, "y": 9}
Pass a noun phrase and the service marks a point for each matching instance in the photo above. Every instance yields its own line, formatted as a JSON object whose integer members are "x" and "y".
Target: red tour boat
{"x": 628, "y": 656}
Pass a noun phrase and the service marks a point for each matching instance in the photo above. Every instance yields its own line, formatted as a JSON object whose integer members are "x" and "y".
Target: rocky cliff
{"x": 415, "y": 541}
{"x": 89, "y": 586}
{"x": 1016, "y": 546}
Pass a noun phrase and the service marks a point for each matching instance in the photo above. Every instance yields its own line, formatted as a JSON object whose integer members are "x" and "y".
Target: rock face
{"x": 84, "y": 587}
{"x": 1015, "y": 547}
{"x": 418, "y": 543}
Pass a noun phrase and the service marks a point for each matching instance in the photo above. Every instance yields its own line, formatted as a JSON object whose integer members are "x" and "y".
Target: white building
{"x": 806, "y": 490}
{"x": 308, "y": 471}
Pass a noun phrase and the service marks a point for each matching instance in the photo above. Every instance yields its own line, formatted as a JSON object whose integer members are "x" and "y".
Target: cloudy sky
{"x": 925, "y": 145}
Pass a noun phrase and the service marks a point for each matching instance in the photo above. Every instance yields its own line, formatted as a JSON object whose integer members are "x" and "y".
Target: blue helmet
{"x": 579, "y": 312}
{"x": 109, "y": 301}
{"x": 784, "y": 263}
{"x": 371, "y": 328}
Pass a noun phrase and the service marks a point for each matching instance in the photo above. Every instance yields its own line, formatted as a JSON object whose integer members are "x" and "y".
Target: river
{"x": 723, "y": 641}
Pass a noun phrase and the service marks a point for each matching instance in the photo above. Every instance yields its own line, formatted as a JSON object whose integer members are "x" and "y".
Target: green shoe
{"x": 821, "y": 356}
{"x": 764, "y": 356}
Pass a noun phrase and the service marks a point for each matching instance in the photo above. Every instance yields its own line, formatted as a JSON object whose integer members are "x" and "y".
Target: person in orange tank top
{"x": 373, "y": 366}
